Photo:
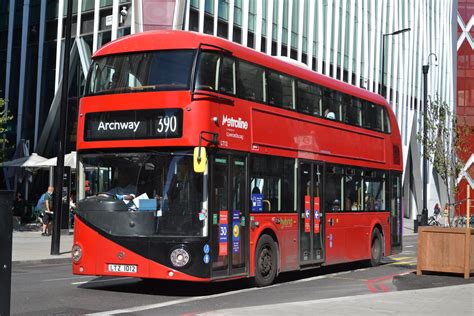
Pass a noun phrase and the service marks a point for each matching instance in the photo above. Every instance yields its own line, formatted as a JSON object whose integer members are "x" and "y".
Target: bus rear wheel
{"x": 376, "y": 248}
{"x": 265, "y": 261}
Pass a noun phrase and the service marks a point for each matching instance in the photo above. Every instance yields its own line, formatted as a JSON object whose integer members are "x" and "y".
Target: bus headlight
{"x": 179, "y": 257}
{"x": 76, "y": 253}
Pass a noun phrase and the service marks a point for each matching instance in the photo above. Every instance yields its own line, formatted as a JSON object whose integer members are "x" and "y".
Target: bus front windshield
{"x": 137, "y": 72}
{"x": 163, "y": 183}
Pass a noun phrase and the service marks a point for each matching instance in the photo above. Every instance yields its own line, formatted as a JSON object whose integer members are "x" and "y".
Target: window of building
{"x": 281, "y": 90}
{"x": 374, "y": 191}
{"x": 309, "y": 98}
{"x": 250, "y": 82}
{"x": 333, "y": 191}
{"x": 272, "y": 183}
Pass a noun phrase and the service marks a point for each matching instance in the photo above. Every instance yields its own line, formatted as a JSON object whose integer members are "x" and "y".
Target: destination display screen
{"x": 134, "y": 124}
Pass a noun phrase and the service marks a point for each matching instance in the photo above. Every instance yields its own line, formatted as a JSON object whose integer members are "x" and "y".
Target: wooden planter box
{"x": 446, "y": 250}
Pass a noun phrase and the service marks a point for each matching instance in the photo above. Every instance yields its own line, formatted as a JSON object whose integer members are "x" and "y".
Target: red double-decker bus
{"x": 202, "y": 160}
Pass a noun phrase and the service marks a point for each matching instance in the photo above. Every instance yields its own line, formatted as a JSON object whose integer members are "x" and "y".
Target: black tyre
{"x": 265, "y": 261}
{"x": 376, "y": 249}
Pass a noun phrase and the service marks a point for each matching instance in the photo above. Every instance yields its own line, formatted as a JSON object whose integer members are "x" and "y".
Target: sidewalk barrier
{"x": 6, "y": 231}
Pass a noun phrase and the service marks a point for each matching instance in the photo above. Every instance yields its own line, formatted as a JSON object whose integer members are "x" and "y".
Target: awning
{"x": 69, "y": 161}
{"x": 25, "y": 162}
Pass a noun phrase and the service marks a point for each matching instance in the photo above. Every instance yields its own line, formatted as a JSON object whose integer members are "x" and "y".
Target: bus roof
{"x": 168, "y": 39}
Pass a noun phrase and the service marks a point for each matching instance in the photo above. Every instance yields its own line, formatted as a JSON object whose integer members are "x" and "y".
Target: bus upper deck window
{"x": 139, "y": 72}
{"x": 208, "y": 76}
{"x": 250, "y": 82}
{"x": 227, "y": 82}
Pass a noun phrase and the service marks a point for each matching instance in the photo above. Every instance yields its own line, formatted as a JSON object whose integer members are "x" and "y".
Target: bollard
{"x": 6, "y": 231}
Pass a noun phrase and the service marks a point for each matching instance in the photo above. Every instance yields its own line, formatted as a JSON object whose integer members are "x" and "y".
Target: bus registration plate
{"x": 128, "y": 268}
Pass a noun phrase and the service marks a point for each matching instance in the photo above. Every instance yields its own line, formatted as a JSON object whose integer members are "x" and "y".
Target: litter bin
{"x": 6, "y": 230}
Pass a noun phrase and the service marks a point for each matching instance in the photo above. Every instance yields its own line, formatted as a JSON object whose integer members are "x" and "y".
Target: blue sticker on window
{"x": 222, "y": 233}
{"x": 257, "y": 202}
{"x": 206, "y": 259}
{"x": 235, "y": 231}
{"x": 206, "y": 248}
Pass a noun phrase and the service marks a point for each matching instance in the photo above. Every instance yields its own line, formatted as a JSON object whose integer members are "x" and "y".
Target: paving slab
{"x": 29, "y": 247}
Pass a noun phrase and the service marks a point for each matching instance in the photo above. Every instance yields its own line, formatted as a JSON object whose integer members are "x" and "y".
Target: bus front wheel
{"x": 265, "y": 261}
{"x": 376, "y": 248}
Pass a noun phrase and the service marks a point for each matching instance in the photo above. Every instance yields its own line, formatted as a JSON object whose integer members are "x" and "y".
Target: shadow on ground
{"x": 190, "y": 289}
{"x": 412, "y": 281}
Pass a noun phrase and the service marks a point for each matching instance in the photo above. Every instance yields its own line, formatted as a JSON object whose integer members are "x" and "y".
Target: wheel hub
{"x": 265, "y": 262}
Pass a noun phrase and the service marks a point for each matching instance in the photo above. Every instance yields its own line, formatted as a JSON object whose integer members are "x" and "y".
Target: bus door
{"x": 228, "y": 216}
{"x": 310, "y": 213}
{"x": 396, "y": 214}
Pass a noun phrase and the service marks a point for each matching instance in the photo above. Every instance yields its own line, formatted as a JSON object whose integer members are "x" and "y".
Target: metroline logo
{"x": 234, "y": 123}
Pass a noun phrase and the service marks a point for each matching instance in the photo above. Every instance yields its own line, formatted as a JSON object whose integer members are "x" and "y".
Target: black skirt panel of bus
{"x": 135, "y": 231}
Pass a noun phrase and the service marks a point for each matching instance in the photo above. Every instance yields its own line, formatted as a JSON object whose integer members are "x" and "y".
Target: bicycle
{"x": 461, "y": 221}
{"x": 434, "y": 220}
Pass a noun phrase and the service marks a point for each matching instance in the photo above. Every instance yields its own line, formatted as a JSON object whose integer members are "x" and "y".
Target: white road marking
{"x": 170, "y": 303}
{"x": 70, "y": 278}
{"x": 200, "y": 298}
{"x": 323, "y": 276}
{"x": 100, "y": 281}
{"x": 410, "y": 246}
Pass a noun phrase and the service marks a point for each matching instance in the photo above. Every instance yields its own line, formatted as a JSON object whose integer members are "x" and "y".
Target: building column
{"x": 59, "y": 44}
{"x": 11, "y": 17}
{"x": 115, "y": 17}
{"x": 39, "y": 75}
{"x": 21, "y": 83}
{"x": 79, "y": 11}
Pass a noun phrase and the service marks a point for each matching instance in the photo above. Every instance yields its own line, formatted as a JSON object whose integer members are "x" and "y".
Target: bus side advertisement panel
{"x": 316, "y": 137}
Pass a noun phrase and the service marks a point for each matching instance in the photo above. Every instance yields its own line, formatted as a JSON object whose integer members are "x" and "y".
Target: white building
{"x": 339, "y": 38}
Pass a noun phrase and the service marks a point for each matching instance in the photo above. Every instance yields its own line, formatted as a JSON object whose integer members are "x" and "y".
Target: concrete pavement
{"x": 408, "y": 229}
{"x": 30, "y": 247}
{"x": 451, "y": 300}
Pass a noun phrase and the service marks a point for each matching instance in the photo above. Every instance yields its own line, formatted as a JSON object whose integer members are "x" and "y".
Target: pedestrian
{"x": 446, "y": 215}
{"x": 72, "y": 209}
{"x": 18, "y": 205}
{"x": 48, "y": 212}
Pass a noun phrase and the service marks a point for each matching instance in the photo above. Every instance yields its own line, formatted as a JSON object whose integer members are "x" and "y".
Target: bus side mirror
{"x": 199, "y": 159}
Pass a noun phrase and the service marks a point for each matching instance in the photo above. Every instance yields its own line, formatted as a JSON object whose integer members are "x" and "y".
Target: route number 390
{"x": 167, "y": 124}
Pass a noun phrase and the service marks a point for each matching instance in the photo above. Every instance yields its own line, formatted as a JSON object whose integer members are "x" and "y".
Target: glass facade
{"x": 340, "y": 39}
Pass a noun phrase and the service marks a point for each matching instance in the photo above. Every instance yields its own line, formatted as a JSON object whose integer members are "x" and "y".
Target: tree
{"x": 445, "y": 141}
{"x": 4, "y": 118}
